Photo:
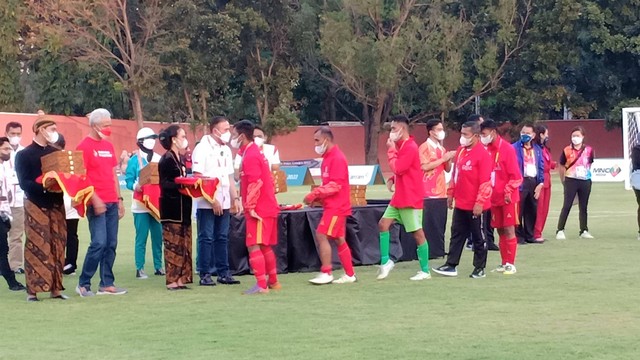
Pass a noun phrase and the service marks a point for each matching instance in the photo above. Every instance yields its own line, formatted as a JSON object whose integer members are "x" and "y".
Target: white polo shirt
{"x": 269, "y": 151}
{"x": 17, "y": 194}
{"x": 213, "y": 160}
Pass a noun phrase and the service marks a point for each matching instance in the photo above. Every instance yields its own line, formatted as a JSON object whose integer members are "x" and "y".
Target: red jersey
{"x": 404, "y": 161}
{"x": 336, "y": 170}
{"x": 506, "y": 177}
{"x": 471, "y": 183}
{"x": 256, "y": 183}
{"x": 99, "y": 161}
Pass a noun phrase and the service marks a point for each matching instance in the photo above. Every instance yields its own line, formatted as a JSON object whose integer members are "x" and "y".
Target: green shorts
{"x": 409, "y": 217}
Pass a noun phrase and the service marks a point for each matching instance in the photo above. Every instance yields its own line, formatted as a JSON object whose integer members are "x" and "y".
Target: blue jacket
{"x": 537, "y": 150}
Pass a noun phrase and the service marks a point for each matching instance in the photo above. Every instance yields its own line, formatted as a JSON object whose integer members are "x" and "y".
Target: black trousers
{"x": 638, "y": 201}
{"x": 434, "y": 224}
{"x": 573, "y": 187}
{"x": 463, "y": 223}
{"x": 5, "y": 269}
{"x": 528, "y": 210}
{"x": 488, "y": 230}
{"x": 71, "y": 256}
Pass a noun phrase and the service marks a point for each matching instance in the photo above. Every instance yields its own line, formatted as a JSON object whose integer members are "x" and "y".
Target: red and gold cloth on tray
{"x": 196, "y": 187}
{"x": 76, "y": 186}
{"x": 149, "y": 197}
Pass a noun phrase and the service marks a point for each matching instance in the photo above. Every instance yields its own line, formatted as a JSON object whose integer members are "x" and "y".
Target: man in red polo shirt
{"x": 470, "y": 191}
{"x": 335, "y": 194}
{"x": 260, "y": 208}
{"x": 106, "y": 208}
{"x": 506, "y": 180}
{"x": 406, "y": 203}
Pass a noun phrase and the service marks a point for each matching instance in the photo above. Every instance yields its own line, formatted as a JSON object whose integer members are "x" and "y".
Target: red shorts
{"x": 263, "y": 232}
{"x": 334, "y": 226}
{"x": 504, "y": 215}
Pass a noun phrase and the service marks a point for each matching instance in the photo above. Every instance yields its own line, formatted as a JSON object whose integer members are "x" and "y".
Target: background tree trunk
{"x": 136, "y": 103}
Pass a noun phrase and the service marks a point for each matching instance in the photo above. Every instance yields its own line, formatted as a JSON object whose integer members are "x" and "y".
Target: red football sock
{"x": 256, "y": 260}
{"x": 344, "y": 253}
{"x": 504, "y": 249}
{"x": 270, "y": 264}
{"x": 513, "y": 249}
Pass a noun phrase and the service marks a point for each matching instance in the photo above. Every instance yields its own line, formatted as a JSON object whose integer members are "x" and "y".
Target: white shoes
{"x": 421, "y": 275}
{"x": 509, "y": 269}
{"x": 385, "y": 269}
{"x": 345, "y": 279}
{"x": 585, "y": 235}
{"x": 560, "y": 235}
{"x": 322, "y": 279}
{"x": 500, "y": 268}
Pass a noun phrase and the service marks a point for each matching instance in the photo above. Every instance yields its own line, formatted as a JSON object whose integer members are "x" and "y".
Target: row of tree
{"x": 308, "y": 61}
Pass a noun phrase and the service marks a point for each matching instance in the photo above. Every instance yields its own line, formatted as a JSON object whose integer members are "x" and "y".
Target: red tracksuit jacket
{"x": 404, "y": 161}
{"x": 471, "y": 183}
{"x": 506, "y": 172}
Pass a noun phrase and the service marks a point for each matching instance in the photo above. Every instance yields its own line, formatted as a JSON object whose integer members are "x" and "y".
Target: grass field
{"x": 573, "y": 299}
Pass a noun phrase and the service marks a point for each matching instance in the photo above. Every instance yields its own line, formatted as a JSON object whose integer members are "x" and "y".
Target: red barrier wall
{"x": 299, "y": 145}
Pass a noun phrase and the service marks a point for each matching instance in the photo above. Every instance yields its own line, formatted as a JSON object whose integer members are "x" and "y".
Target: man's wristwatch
{"x": 120, "y": 198}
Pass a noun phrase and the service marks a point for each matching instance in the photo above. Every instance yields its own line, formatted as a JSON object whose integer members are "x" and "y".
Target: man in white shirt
{"x": 5, "y": 219}
{"x": 212, "y": 158}
{"x": 13, "y": 131}
{"x": 269, "y": 151}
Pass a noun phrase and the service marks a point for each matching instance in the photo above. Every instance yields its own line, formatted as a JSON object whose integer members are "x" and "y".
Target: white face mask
{"x": 235, "y": 143}
{"x": 395, "y": 135}
{"x": 149, "y": 143}
{"x": 258, "y": 141}
{"x": 183, "y": 145}
{"x": 15, "y": 140}
{"x": 576, "y": 140}
{"x": 440, "y": 135}
{"x": 225, "y": 137}
{"x": 321, "y": 149}
{"x": 51, "y": 137}
{"x": 486, "y": 140}
{"x": 464, "y": 141}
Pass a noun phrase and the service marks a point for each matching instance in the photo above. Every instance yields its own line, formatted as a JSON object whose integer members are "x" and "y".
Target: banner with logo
{"x": 365, "y": 175}
{"x": 609, "y": 170}
{"x": 298, "y": 175}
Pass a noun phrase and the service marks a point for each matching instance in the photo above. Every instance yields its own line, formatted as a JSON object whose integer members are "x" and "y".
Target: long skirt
{"x": 177, "y": 252}
{"x": 46, "y": 231}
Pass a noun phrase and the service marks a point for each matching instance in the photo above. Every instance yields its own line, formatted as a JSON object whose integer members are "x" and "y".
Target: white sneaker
{"x": 638, "y": 237}
{"x": 322, "y": 279}
{"x": 500, "y": 268}
{"x": 510, "y": 269}
{"x": 585, "y": 235}
{"x": 421, "y": 275}
{"x": 560, "y": 235}
{"x": 385, "y": 269}
{"x": 345, "y": 279}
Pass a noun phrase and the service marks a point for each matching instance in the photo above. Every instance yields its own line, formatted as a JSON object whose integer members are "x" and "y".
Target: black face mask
{"x": 149, "y": 152}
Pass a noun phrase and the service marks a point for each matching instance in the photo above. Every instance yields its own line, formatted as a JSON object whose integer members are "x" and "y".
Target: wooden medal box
{"x": 358, "y": 196}
{"x": 65, "y": 161}
{"x": 279, "y": 181}
{"x": 149, "y": 174}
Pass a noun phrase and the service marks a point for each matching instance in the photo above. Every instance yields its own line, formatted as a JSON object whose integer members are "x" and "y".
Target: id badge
{"x": 530, "y": 170}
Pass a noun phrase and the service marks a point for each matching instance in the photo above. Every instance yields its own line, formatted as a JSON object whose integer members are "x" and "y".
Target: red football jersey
{"x": 335, "y": 169}
{"x": 253, "y": 169}
{"x": 404, "y": 161}
{"x": 506, "y": 178}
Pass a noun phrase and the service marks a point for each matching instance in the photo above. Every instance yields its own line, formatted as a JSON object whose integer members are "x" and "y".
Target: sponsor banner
{"x": 122, "y": 182}
{"x": 297, "y": 175}
{"x": 310, "y": 163}
{"x": 365, "y": 175}
{"x": 609, "y": 170}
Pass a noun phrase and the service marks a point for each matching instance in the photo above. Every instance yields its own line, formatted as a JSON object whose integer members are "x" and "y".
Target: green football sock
{"x": 384, "y": 247}
{"x": 423, "y": 256}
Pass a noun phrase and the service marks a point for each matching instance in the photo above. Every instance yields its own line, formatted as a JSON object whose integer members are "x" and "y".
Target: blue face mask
{"x": 525, "y": 138}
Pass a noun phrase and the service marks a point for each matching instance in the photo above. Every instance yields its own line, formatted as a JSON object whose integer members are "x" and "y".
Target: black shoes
{"x": 19, "y": 271}
{"x": 493, "y": 247}
{"x": 159, "y": 272}
{"x": 227, "y": 280}
{"x": 477, "y": 273}
{"x": 17, "y": 287}
{"x": 206, "y": 280}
